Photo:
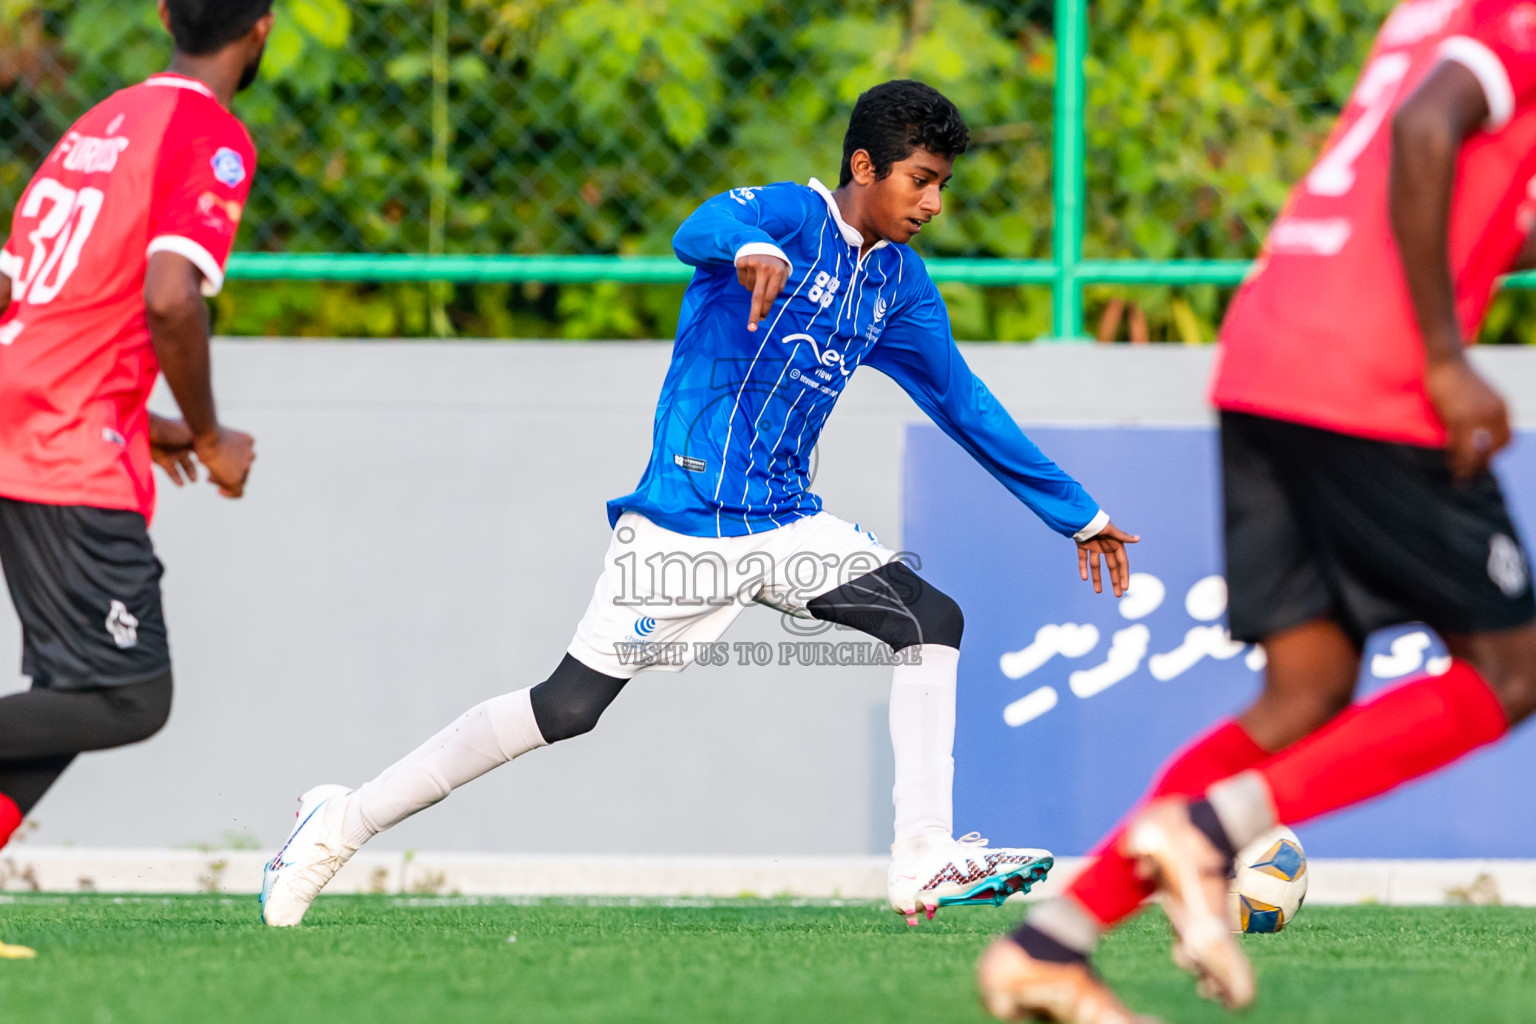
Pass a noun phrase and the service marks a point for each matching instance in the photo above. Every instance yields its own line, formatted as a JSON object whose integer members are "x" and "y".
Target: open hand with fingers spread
{"x": 764, "y": 277}
{"x": 1108, "y": 544}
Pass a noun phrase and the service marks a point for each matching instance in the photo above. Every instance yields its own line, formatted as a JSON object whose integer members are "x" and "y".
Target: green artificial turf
{"x": 402, "y": 960}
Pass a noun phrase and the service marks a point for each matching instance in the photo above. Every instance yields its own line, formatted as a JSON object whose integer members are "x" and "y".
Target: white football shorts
{"x": 661, "y": 593}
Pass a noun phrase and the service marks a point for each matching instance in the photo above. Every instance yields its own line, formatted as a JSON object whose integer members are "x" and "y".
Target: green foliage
{"x": 595, "y": 126}
{"x": 1201, "y": 115}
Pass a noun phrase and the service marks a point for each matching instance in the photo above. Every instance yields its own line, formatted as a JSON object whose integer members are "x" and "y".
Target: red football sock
{"x": 1398, "y": 735}
{"x": 10, "y": 819}
{"x": 1109, "y": 888}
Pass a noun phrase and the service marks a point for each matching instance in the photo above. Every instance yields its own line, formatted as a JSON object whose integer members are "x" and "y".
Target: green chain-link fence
{"x": 444, "y": 136}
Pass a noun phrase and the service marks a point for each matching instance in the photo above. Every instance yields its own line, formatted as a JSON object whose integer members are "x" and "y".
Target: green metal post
{"x": 437, "y": 224}
{"x": 1070, "y": 142}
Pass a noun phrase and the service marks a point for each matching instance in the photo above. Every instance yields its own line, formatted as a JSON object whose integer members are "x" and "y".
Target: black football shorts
{"x": 86, "y": 584}
{"x": 1368, "y": 533}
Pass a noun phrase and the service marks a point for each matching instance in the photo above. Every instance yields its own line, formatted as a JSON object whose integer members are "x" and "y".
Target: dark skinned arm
{"x": 178, "y": 325}
{"x": 170, "y": 445}
{"x": 1527, "y": 258}
{"x": 5, "y": 293}
{"x": 1427, "y": 133}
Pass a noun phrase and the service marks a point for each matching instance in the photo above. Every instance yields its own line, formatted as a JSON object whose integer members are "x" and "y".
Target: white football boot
{"x": 311, "y": 856}
{"x": 933, "y": 872}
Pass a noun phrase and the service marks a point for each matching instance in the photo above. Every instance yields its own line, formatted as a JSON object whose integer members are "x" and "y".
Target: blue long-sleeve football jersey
{"x": 740, "y": 411}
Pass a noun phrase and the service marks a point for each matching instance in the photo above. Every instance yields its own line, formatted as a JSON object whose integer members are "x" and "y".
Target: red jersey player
{"x": 1355, "y": 442}
{"x": 125, "y": 228}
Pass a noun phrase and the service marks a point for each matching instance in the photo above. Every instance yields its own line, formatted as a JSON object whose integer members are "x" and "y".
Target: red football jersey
{"x": 1323, "y": 332}
{"x": 158, "y": 167}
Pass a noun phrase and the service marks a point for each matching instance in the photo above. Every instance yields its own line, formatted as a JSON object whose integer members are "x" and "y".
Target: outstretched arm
{"x": 178, "y": 325}
{"x": 919, "y": 353}
{"x": 1427, "y": 134}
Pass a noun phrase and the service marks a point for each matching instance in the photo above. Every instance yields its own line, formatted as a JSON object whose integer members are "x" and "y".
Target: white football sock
{"x": 1243, "y": 806}
{"x": 485, "y": 736}
{"x": 923, "y": 734}
{"x": 1065, "y": 920}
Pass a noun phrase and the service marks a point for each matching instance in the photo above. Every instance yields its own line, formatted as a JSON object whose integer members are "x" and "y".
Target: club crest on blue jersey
{"x": 228, "y": 166}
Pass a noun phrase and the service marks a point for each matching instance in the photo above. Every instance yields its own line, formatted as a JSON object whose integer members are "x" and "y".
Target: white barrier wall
{"x": 422, "y": 531}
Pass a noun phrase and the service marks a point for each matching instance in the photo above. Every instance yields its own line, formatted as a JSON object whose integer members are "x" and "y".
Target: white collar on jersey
{"x": 180, "y": 82}
{"x": 851, "y": 234}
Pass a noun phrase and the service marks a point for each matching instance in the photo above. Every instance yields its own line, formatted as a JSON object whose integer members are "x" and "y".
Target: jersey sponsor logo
{"x": 228, "y": 166}
{"x": 11, "y": 331}
{"x": 1506, "y": 565}
{"x": 824, "y": 289}
{"x": 122, "y": 625}
{"x": 743, "y": 195}
{"x": 1520, "y": 28}
{"x": 872, "y": 332}
{"x": 689, "y": 463}
{"x": 1310, "y": 237}
{"x": 828, "y": 356}
{"x": 87, "y": 154}
{"x": 645, "y": 627}
{"x": 208, "y": 204}
{"x": 795, "y": 374}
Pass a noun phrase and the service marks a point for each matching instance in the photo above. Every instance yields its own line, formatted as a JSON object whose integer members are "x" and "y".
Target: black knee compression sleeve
{"x": 893, "y": 604}
{"x": 571, "y": 700}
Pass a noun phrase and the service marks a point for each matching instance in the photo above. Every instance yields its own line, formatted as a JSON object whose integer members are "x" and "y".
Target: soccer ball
{"x": 1270, "y": 883}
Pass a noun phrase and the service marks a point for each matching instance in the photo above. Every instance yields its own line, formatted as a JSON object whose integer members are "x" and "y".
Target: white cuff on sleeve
{"x": 1490, "y": 73}
{"x": 202, "y": 259}
{"x": 1094, "y": 528}
{"x": 11, "y": 266}
{"x": 762, "y": 249}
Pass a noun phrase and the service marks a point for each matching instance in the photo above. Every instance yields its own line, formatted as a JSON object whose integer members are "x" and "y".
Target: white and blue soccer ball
{"x": 1270, "y": 884}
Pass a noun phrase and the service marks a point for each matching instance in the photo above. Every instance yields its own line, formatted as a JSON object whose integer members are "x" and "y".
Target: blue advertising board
{"x": 1069, "y": 701}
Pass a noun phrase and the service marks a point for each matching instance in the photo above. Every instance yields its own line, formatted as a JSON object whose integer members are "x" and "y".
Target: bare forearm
{"x": 178, "y": 325}
{"x": 1423, "y": 172}
{"x": 180, "y": 336}
{"x": 1427, "y": 133}
{"x": 5, "y": 293}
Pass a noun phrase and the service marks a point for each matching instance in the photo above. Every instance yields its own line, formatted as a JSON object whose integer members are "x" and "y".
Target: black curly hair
{"x": 895, "y": 118}
{"x": 207, "y": 26}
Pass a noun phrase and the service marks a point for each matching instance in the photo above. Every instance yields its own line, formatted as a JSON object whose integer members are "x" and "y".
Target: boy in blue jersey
{"x": 795, "y": 287}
